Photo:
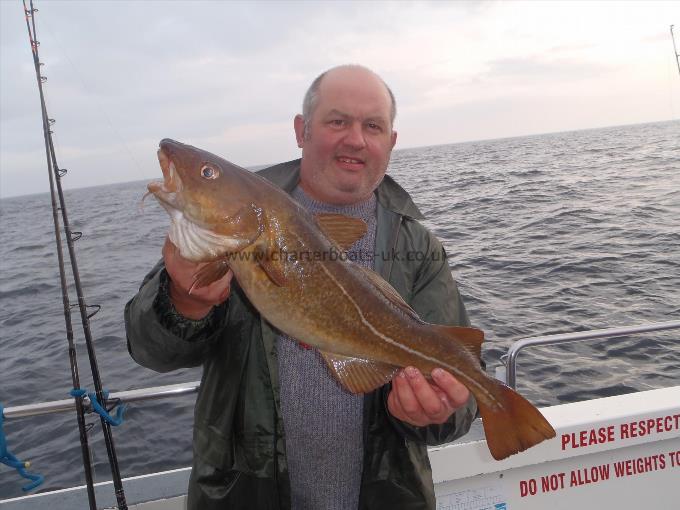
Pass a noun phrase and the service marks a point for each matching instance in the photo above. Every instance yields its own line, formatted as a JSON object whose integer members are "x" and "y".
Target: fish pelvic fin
{"x": 272, "y": 265}
{"x": 470, "y": 338}
{"x": 209, "y": 273}
{"x": 359, "y": 375}
{"x": 344, "y": 230}
{"x": 512, "y": 424}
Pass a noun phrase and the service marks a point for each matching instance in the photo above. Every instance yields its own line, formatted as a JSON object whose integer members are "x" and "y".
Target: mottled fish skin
{"x": 293, "y": 273}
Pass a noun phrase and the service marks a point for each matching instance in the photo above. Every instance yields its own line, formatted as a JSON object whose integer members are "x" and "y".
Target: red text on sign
{"x": 588, "y": 437}
{"x": 552, "y": 482}
{"x": 675, "y": 458}
{"x": 650, "y": 426}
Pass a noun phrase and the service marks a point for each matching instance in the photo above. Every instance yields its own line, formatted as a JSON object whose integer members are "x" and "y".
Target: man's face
{"x": 347, "y": 148}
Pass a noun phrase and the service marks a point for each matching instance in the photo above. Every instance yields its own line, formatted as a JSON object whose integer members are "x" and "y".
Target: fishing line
{"x": 55, "y": 175}
{"x": 101, "y": 110}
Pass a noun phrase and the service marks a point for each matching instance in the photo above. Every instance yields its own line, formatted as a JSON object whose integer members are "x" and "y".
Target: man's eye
{"x": 375, "y": 127}
{"x": 337, "y": 122}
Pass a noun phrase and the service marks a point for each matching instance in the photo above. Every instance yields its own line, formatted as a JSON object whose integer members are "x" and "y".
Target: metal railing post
{"x": 58, "y": 406}
{"x": 517, "y": 347}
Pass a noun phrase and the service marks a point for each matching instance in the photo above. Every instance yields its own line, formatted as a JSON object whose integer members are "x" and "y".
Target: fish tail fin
{"x": 512, "y": 423}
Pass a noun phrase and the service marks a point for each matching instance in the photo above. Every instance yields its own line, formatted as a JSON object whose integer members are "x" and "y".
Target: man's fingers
{"x": 224, "y": 294}
{"x": 414, "y": 400}
{"x": 423, "y": 392}
{"x": 393, "y": 403}
{"x": 442, "y": 396}
{"x": 189, "y": 300}
{"x": 408, "y": 402}
{"x": 168, "y": 248}
{"x": 183, "y": 274}
{"x": 456, "y": 392}
{"x": 421, "y": 402}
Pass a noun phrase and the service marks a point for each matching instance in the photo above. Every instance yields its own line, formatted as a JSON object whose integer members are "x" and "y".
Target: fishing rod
{"x": 80, "y": 412}
{"x": 55, "y": 175}
{"x": 675, "y": 50}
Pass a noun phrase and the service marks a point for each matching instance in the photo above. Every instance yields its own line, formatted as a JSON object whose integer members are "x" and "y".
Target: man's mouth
{"x": 350, "y": 163}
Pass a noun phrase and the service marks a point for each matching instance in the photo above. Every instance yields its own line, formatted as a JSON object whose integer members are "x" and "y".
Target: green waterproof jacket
{"x": 239, "y": 446}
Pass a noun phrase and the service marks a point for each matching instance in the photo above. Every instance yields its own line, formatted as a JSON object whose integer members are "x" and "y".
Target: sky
{"x": 230, "y": 76}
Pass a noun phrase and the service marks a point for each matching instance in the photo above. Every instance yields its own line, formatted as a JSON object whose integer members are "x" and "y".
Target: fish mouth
{"x": 167, "y": 191}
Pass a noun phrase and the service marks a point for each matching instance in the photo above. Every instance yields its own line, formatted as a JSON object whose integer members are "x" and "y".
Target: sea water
{"x": 545, "y": 234}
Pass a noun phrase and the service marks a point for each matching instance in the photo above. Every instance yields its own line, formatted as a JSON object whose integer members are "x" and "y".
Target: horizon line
{"x": 265, "y": 165}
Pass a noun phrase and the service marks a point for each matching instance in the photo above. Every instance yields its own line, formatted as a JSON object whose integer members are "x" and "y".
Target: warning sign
{"x": 623, "y": 431}
{"x": 600, "y": 473}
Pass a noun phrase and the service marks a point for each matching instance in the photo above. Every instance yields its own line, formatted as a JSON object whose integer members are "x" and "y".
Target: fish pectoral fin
{"x": 470, "y": 338}
{"x": 389, "y": 292}
{"x": 249, "y": 221}
{"x": 209, "y": 273}
{"x": 359, "y": 375}
{"x": 344, "y": 230}
{"x": 271, "y": 265}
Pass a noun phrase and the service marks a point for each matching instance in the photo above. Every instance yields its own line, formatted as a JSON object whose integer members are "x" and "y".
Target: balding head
{"x": 347, "y": 70}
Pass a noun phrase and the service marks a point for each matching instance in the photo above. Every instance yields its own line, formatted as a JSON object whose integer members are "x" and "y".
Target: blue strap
{"x": 98, "y": 408}
{"x": 10, "y": 460}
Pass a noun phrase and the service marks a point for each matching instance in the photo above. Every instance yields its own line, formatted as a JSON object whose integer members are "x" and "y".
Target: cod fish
{"x": 290, "y": 267}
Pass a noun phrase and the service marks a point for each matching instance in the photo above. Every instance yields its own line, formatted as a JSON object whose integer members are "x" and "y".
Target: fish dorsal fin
{"x": 344, "y": 230}
{"x": 389, "y": 292}
{"x": 209, "y": 273}
{"x": 470, "y": 338}
{"x": 359, "y": 375}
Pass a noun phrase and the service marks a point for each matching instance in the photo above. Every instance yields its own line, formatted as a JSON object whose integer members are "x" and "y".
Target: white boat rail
{"x": 520, "y": 345}
{"x": 58, "y": 406}
{"x": 174, "y": 390}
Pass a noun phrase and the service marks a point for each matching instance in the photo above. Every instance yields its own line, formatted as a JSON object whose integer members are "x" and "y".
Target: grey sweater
{"x": 322, "y": 420}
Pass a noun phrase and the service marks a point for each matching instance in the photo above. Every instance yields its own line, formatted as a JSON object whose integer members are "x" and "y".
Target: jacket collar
{"x": 390, "y": 194}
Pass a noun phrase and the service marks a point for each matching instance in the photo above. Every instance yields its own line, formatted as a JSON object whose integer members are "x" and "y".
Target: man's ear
{"x": 394, "y": 139}
{"x": 299, "y": 125}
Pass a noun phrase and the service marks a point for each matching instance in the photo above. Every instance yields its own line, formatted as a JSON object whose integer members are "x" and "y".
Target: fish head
{"x": 207, "y": 200}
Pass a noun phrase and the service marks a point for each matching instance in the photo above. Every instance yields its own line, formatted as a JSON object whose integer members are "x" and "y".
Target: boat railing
{"x": 510, "y": 359}
{"x": 175, "y": 390}
{"x": 58, "y": 406}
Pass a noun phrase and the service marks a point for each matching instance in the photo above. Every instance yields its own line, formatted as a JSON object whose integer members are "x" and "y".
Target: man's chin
{"x": 357, "y": 189}
{"x": 351, "y": 194}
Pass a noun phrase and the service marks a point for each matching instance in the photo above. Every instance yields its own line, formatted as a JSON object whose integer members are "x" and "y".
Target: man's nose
{"x": 355, "y": 136}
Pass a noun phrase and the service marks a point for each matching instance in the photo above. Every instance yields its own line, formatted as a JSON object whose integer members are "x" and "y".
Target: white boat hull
{"x": 618, "y": 452}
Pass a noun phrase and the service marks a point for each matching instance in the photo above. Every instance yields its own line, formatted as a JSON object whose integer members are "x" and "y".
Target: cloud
{"x": 231, "y": 75}
{"x": 664, "y": 37}
{"x": 538, "y": 67}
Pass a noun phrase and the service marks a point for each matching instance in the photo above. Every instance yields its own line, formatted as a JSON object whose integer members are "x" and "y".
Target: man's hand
{"x": 418, "y": 402}
{"x": 181, "y": 271}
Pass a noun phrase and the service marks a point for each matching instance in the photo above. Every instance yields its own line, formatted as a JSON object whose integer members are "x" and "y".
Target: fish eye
{"x": 208, "y": 172}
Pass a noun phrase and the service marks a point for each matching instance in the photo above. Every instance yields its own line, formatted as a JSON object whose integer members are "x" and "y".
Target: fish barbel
{"x": 290, "y": 267}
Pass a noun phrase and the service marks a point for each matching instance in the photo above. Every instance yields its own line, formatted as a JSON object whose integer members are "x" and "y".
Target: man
{"x": 272, "y": 429}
